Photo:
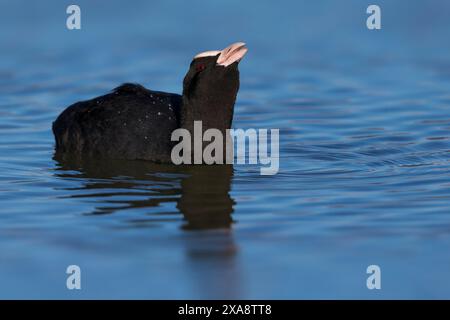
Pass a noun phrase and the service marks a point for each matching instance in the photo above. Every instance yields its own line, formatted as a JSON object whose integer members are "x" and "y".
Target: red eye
{"x": 200, "y": 67}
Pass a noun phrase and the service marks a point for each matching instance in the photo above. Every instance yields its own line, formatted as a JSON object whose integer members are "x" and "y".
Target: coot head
{"x": 210, "y": 87}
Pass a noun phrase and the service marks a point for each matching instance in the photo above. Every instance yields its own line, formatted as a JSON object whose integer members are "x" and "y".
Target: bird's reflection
{"x": 201, "y": 193}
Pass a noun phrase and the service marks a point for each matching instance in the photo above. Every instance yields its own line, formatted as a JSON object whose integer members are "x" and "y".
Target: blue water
{"x": 364, "y": 153}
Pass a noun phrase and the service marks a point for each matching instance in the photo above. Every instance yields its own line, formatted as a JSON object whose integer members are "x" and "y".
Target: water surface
{"x": 364, "y": 154}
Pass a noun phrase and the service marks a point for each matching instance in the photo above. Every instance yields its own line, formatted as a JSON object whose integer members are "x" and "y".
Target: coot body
{"x": 133, "y": 122}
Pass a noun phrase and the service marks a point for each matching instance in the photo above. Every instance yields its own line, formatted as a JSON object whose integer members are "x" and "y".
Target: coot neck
{"x": 212, "y": 112}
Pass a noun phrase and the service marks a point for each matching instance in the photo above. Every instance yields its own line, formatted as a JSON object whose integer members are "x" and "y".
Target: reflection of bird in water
{"x": 203, "y": 196}
{"x": 205, "y": 201}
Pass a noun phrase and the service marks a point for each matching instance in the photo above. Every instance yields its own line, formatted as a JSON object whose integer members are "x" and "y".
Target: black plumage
{"x": 129, "y": 123}
{"x": 133, "y": 122}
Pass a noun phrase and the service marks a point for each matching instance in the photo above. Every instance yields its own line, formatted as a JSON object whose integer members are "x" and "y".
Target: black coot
{"x": 133, "y": 122}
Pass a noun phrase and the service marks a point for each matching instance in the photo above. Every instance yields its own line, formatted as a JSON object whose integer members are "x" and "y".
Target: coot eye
{"x": 200, "y": 67}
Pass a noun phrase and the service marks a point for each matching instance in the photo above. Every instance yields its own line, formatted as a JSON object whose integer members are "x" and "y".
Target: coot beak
{"x": 231, "y": 54}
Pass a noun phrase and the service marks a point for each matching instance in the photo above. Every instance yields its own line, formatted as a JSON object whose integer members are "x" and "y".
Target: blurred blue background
{"x": 364, "y": 153}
